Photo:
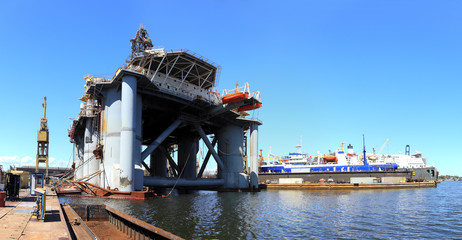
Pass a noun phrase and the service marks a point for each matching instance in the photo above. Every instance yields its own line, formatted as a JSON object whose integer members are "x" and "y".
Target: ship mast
{"x": 299, "y": 146}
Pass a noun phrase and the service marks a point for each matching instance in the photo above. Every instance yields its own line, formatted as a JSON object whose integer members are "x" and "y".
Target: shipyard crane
{"x": 383, "y": 146}
{"x": 260, "y": 159}
{"x": 271, "y": 157}
{"x": 43, "y": 140}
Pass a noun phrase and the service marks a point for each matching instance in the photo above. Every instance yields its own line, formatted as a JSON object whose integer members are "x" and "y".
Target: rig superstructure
{"x": 158, "y": 103}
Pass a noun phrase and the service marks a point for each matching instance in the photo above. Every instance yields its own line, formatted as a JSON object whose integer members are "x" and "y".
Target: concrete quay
{"x": 17, "y": 222}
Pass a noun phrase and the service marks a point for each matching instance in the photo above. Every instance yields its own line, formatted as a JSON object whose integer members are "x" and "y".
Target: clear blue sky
{"x": 327, "y": 70}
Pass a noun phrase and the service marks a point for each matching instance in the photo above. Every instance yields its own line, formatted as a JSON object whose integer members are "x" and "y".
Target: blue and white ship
{"x": 343, "y": 162}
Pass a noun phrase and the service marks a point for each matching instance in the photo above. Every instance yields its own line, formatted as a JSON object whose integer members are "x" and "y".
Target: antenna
{"x": 270, "y": 154}
{"x": 299, "y": 146}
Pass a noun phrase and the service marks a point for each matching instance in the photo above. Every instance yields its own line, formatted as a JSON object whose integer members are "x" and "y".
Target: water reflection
{"x": 432, "y": 213}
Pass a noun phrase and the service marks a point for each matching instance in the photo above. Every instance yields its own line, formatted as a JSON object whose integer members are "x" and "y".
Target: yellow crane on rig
{"x": 43, "y": 140}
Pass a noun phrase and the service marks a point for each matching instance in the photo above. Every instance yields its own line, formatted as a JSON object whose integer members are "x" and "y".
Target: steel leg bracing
{"x": 207, "y": 157}
{"x": 172, "y": 163}
{"x": 160, "y": 139}
{"x": 209, "y": 146}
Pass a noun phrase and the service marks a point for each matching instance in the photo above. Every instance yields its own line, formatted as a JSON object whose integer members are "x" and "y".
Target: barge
{"x": 104, "y": 222}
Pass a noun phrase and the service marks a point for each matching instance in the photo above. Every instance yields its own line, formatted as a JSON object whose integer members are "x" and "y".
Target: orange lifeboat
{"x": 234, "y": 97}
{"x": 249, "y": 107}
{"x": 330, "y": 158}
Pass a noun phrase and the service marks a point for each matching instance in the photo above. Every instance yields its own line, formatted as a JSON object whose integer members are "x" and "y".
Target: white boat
{"x": 349, "y": 162}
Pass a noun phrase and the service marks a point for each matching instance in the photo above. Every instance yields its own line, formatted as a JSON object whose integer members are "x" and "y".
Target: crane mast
{"x": 43, "y": 140}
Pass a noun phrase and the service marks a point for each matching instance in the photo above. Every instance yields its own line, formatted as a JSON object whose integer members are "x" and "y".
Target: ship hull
{"x": 326, "y": 168}
{"x": 410, "y": 174}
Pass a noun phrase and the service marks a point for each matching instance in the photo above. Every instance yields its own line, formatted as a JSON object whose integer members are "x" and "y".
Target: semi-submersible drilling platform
{"x": 157, "y": 104}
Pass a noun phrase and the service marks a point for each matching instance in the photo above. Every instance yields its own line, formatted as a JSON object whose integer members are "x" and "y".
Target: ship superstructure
{"x": 350, "y": 161}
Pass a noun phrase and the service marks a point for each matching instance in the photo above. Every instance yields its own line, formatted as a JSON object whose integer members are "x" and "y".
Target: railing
{"x": 64, "y": 178}
{"x": 244, "y": 88}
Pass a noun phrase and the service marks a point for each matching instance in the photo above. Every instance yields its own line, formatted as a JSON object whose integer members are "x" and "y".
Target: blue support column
{"x": 187, "y": 151}
{"x": 127, "y": 133}
{"x": 253, "y": 156}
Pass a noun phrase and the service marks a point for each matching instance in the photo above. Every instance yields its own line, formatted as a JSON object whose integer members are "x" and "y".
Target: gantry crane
{"x": 42, "y": 140}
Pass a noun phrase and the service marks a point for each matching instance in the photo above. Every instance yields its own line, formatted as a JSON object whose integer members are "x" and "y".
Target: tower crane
{"x": 43, "y": 140}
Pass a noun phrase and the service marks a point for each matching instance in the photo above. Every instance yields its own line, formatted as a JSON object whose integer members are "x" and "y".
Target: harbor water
{"x": 426, "y": 213}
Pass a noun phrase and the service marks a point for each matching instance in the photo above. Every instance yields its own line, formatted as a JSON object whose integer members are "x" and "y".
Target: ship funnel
{"x": 350, "y": 150}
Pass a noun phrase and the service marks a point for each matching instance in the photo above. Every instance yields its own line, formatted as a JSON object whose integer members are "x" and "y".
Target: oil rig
{"x": 142, "y": 127}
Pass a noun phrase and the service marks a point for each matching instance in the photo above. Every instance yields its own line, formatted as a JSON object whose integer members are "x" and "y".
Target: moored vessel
{"x": 341, "y": 162}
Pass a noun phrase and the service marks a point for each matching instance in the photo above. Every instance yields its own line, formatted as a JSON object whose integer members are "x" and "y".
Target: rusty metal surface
{"x": 96, "y": 191}
{"x": 68, "y": 189}
{"x": 136, "y": 228}
{"x": 80, "y": 230}
{"x": 106, "y": 230}
{"x": 13, "y": 224}
{"x": 91, "y": 212}
{"x": 103, "y": 222}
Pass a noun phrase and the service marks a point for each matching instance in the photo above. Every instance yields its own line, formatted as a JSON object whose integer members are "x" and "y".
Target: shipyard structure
{"x": 142, "y": 127}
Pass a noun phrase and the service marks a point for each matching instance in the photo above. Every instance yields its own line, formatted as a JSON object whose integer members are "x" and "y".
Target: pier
{"x": 17, "y": 221}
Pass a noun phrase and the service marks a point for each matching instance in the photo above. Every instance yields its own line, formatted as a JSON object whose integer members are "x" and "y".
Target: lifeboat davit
{"x": 249, "y": 107}
{"x": 330, "y": 158}
{"x": 234, "y": 97}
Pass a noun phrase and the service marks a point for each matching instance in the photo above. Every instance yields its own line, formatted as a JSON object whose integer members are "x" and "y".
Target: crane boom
{"x": 44, "y": 108}
{"x": 43, "y": 120}
{"x": 383, "y": 146}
